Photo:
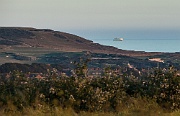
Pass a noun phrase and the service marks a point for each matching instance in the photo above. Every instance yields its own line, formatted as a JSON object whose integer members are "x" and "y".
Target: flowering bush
{"x": 106, "y": 93}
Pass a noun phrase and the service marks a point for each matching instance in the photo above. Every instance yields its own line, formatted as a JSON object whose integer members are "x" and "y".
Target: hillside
{"x": 30, "y": 45}
{"x": 12, "y": 37}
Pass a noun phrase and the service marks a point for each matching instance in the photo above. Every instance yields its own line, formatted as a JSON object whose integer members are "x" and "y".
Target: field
{"x": 7, "y": 56}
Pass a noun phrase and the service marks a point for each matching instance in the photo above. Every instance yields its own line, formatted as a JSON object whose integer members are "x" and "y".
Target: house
{"x": 94, "y": 72}
{"x": 36, "y": 75}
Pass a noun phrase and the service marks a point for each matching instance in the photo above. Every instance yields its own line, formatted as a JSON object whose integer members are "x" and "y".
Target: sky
{"x": 92, "y": 17}
{"x": 90, "y": 14}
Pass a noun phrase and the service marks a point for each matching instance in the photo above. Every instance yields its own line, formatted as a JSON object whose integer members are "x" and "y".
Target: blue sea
{"x": 138, "y": 40}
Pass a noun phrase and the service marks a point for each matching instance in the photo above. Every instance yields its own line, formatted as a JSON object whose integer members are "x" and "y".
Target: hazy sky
{"x": 91, "y": 14}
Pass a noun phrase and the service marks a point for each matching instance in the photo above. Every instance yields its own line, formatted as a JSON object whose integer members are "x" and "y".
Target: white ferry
{"x": 118, "y": 39}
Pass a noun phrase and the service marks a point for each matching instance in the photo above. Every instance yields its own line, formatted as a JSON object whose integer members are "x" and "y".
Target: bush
{"x": 103, "y": 94}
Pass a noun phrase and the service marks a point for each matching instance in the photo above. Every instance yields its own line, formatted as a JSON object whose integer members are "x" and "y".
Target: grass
{"x": 136, "y": 107}
{"x": 70, "y": 112}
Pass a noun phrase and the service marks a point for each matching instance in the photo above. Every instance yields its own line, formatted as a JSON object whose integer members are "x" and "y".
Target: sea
{"x": 137, "y": 40}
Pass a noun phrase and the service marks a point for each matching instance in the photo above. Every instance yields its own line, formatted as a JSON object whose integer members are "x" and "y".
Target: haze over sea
{"x": 138, "y": 40}
{"x": 145, "y": 25}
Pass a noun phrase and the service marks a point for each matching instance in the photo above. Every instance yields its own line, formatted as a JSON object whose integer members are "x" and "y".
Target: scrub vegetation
{"x": 156, "y": 94}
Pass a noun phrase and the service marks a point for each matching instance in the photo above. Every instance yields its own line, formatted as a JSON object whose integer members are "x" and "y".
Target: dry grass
{"x": 138, "y": 110}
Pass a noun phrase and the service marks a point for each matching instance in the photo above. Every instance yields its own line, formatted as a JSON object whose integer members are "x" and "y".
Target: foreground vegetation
{"x": 156, "y": 94}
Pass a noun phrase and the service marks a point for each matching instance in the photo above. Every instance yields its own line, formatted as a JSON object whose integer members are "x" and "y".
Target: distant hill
{"x": 54, "y": 40}
{"x": 30, "y": 45}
